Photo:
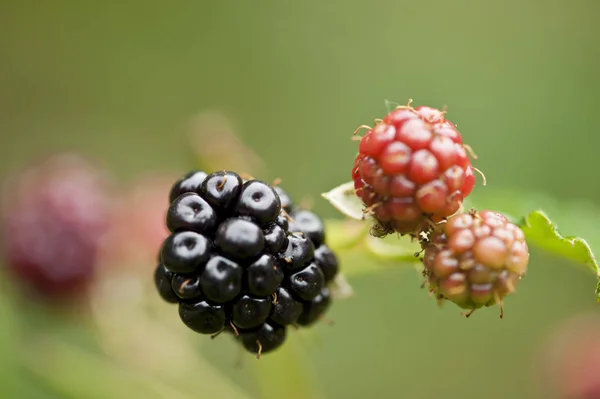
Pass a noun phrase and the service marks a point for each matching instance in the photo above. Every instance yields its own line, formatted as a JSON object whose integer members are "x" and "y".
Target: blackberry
{"x": 286, "y": 309}
{"x": 202, "y": 316}
{"x": 475, "y": 259}
{"x": 190, "y": 212}
{"x": 328, "y": 261}
{"x": 308, "y": 282}
{"x": 286, "y": 202}
{"x": 314, "y": 309}
{"x": 190, "y": 183}
{"x": 412, "y": 168}
{"x": 283, "y": 221}
{"x": 240, "y": 239}
{"x": 186, "y": 287}
{"x": 221, "y": 280}
{"x": 275, "y": 238}
{"x": 299, "y": 251}
{"x": 263, "y": 276}
{"x": 310, "y": 224}
{"x": 264, "y": 339}
{"x": 249, "y": 312}
{"x": 185, "y": 251}
{"x": 259, "y": 201}
{"x": 163, "y": 280}
{"x": 221, "y": 189}
{"x": 242, "y": 258}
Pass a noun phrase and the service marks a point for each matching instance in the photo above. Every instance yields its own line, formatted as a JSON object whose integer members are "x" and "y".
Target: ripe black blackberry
{"x": 311, "y": 225}
{"x": 306, "y": 283}
{"x": 242, "y": 258}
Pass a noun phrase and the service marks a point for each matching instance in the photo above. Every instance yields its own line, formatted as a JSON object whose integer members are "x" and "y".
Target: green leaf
{"x": 345, "y": 200}
{"x": 543, "y": 232}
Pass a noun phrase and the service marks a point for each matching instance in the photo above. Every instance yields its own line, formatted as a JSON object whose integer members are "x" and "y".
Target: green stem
{"x": 360, "y": 253}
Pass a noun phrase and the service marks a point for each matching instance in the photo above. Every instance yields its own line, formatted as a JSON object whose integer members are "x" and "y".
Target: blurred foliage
{"x": 125, "y": 82}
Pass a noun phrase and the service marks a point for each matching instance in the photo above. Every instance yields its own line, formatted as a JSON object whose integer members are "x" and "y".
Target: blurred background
{"x": 126, "y": 83}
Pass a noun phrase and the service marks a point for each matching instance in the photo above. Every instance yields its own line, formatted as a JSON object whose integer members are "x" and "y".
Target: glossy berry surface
{"x": 275, "y": 238}
{"x": 162, "y": 281}
{"x": 286, "y": 201}
{"x": 233, "y": 263}
{"x": 266, "y": 338}
{"x": 299, "y": 251}
{"x": 310, "y": 224}
{"x": 190, "y": 183}
{"x": 249, "y": 312}
{"x": 190, "y": 212}
{"x": 259, "y": 201}
{"x": 313, "y": 310}
{"x": 283, "y": 221}
{"x": 239, "y": 239}
{"x": 186, "y": 287}
{"x": 308, "y": 282}
{"x": 286, "y": 309}
{"x": 221, "y": 280}
{"x": 412, "y": 167}
{"x": 221, "y": 190}
{"x": 185, "y": 251}
{"x": 328, "y": 262}
{"x": 475, "y": 259}
{"x": 263, "y": 276}
{"x": 203, "y": 317}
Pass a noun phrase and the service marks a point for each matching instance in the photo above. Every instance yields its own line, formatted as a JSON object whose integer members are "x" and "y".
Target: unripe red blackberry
{"x": 54, "y": 219}
{"x": 475, "y": 259}
{"x": 412, "y": 168}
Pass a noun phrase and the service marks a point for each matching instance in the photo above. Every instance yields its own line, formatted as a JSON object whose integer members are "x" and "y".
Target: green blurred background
{"x": 121, "y": 80}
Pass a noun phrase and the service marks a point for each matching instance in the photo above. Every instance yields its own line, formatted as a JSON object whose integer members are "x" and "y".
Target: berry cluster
{"x": 241, "y": 258}
{"x": 412, "y": 169}
{"x": 412, "y": 174}
{"x": 475, "y": 259}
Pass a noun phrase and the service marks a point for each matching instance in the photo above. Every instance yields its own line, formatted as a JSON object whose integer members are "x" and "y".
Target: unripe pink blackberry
{"x": 55, "y": 214}
{"x": 412, "y": 168}
{"x": 475, "y": 259}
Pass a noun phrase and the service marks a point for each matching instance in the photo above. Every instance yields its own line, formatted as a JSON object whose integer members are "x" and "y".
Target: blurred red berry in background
{"x": 55, "y": 214}
{"x": 569, "y": 365}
